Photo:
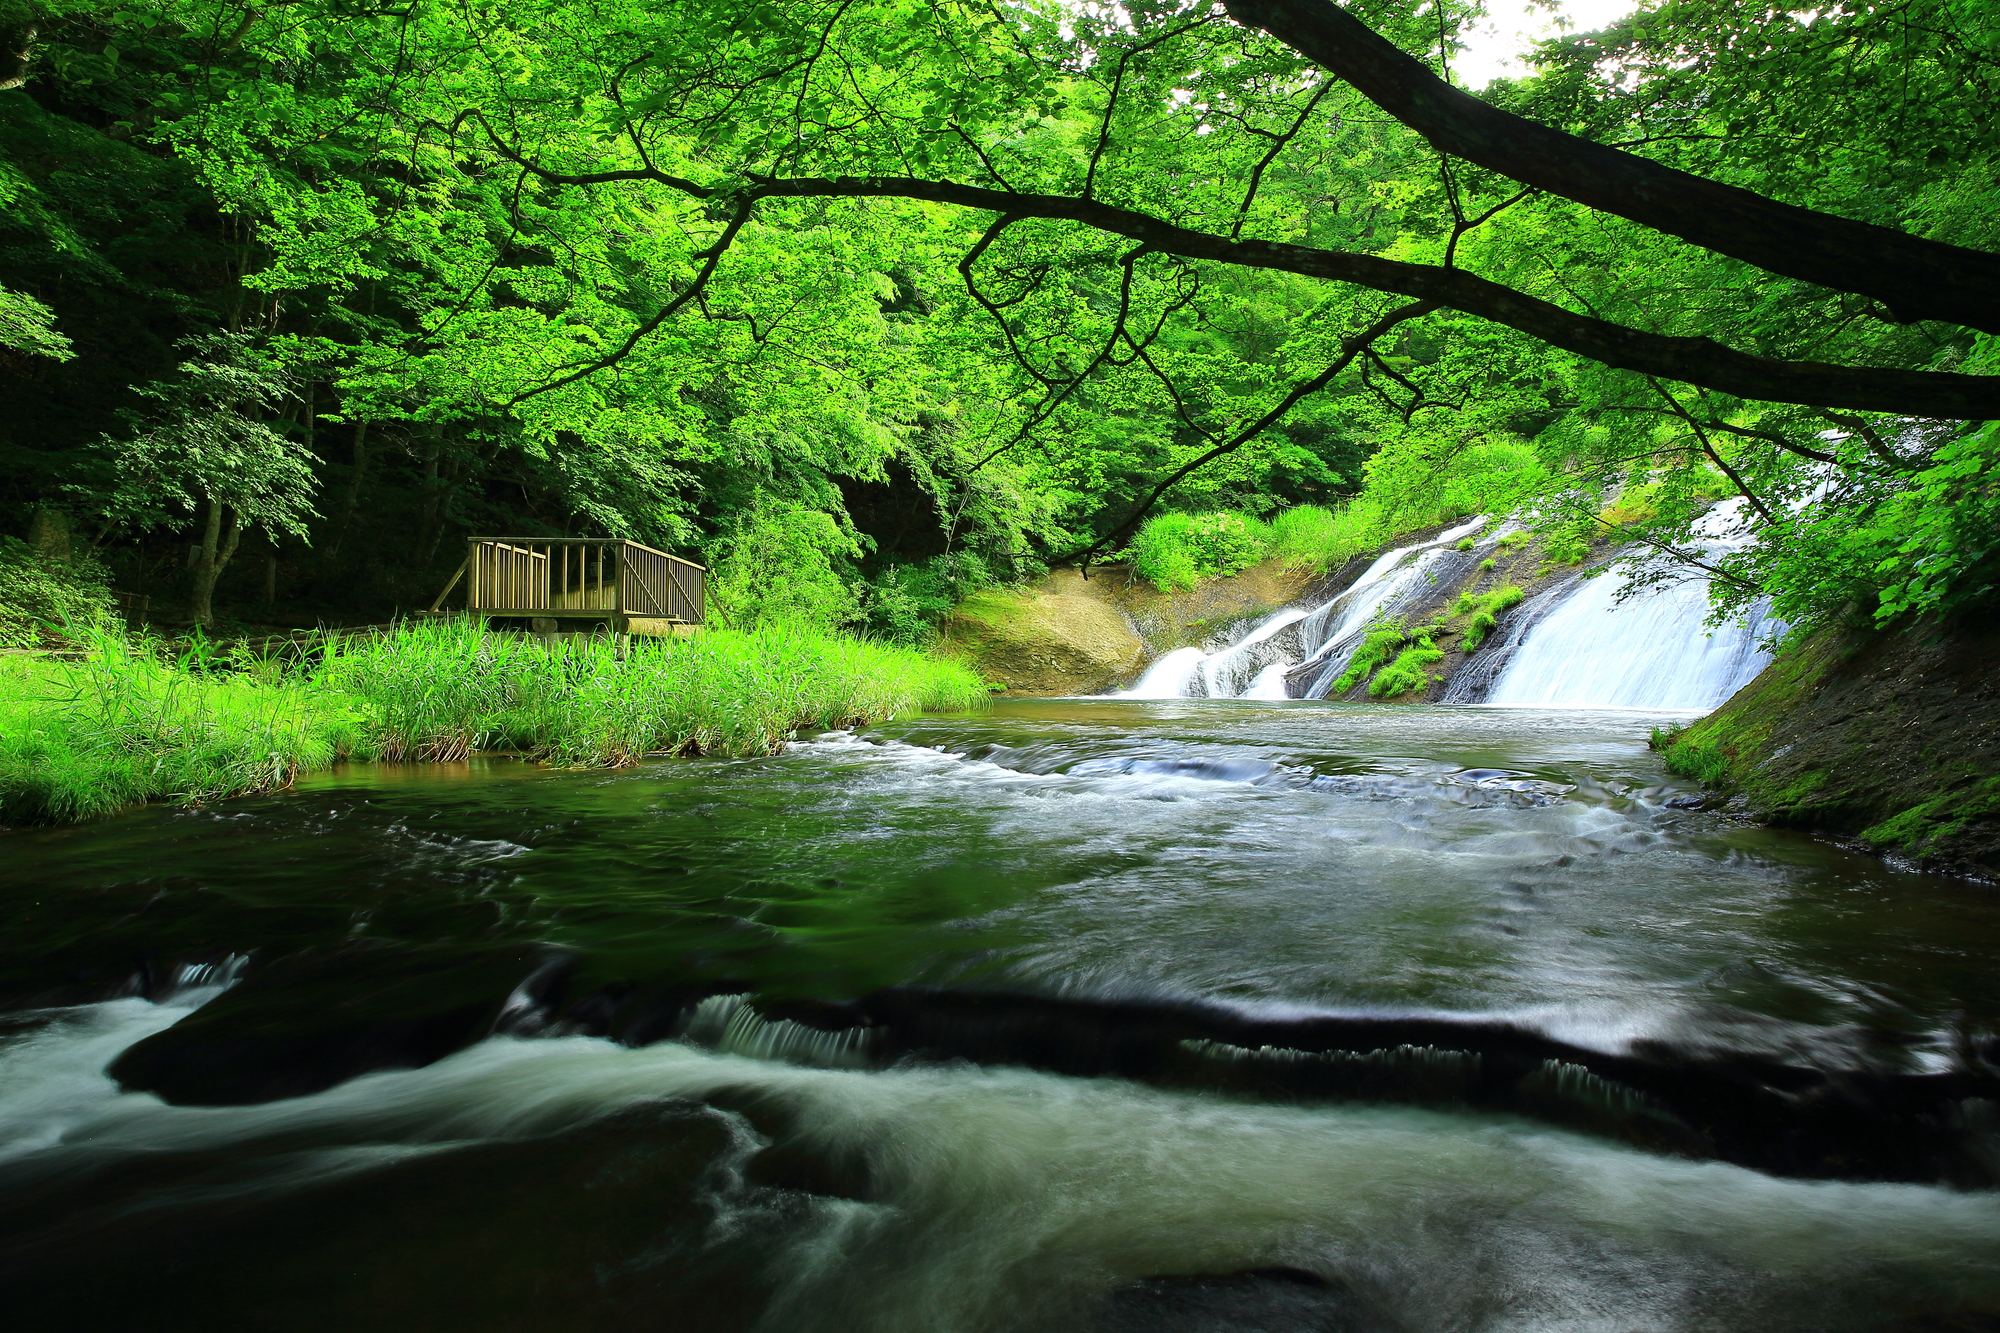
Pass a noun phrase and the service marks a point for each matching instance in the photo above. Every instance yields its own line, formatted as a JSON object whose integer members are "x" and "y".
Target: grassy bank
{"x": 1882, "y": 736}
{"x": 131, "y": 724}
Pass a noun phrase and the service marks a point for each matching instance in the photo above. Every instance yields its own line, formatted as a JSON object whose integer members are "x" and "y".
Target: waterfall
{"x": 1571, "y": 645}
{"x": 1299, "y": 651}
{"x": 1652, "y": 650}
{"x": 1586, "y": 648}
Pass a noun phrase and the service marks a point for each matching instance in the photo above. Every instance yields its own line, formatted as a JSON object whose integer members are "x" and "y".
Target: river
{"x": 1110, "y": 1014}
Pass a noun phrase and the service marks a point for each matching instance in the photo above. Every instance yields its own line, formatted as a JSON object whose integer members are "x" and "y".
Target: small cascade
{"x": 1392, "y": 583}
{"x": 1301, "y": 650}
{"x": 1583, "y": 647}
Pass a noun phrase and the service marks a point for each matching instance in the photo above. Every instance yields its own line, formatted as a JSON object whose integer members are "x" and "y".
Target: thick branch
{"x": 1700, "y": 361}
{"x": 1690, "y": 360}
{"x": 1772, "y": 437}
{"x": 1867, "y": 436}
{"x": 1915, "y": 278}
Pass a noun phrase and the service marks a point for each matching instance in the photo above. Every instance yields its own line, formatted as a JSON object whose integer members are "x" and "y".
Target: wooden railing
{"x": 652, "y": 583}
{"x": 606, "y": 579}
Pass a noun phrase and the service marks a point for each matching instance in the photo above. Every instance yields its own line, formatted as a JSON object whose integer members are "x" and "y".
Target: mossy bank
{"x": 1889, "y": 738}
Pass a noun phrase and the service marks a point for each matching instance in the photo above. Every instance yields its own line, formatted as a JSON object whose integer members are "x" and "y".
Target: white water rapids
{"x": 1005, "y": 1199}
{"x": 748, "y": 1171}
{"x": 1573, "y": 645}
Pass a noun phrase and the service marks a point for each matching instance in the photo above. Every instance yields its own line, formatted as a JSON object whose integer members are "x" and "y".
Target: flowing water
{"x": 1078, "y": 1015}
{"x": 1582, "y": 642}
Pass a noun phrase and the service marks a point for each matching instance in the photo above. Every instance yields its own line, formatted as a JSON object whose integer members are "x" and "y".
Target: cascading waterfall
{"x": 1574, "y": 644}
{"x": 1654, "y": 649}
{"x": 1300, "y": 651}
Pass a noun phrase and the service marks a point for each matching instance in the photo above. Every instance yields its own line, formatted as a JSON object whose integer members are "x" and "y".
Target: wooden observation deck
{"x": 581, "y": 582}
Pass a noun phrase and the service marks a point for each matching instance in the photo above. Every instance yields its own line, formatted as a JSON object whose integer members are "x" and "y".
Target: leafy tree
{"x": 205, "y": 451}
{"x": 696, "y": 274}
{"x": 26, "y": 325}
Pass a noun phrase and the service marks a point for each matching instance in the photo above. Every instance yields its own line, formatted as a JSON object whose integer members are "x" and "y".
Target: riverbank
{"x": 128, "y": 724}
{"x": 1888, "y": 738}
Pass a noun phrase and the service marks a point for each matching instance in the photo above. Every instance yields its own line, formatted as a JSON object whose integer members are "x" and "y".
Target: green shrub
{"x": 1321, "y": 539}
{"x": 786, "y": 566}
{"x": 1488, "y": 565}
{"x": 1407, "y": 674}
{"x": 906, "y": 603}
{"x": 1464, "y": 544}
{"x": 1381, "y": 642}
{"x": 1705, "y": 763}
{"x": 1176, "y": 551}
{"x": 1486, "y": 610}
{"x": 39, "y": 595}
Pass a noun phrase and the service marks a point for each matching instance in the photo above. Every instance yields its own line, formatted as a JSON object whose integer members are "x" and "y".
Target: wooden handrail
{"x": 531, "y": 575}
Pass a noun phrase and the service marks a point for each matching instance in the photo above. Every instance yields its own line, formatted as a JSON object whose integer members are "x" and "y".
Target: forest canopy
{"x": 866, "y": 304}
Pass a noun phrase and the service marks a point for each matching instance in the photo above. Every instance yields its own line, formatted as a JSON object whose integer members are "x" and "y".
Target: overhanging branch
{"x": 1915, "y": 278}
{"x": 1699, "y": 361}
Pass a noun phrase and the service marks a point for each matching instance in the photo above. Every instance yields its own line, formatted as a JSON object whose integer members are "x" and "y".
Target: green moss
{"x": 995, "y": 608}
{"x": 1406, "y": 674}
{"x": 1924, "y": 825}
{"x": 1381, "y": 642}
{"x": 1704, "y": 762}
{"x": 1793, "y": 797}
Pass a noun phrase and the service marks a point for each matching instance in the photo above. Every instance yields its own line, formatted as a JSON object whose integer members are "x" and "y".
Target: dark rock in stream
{"x": 1265, "y": 1300}
{"x": 303, "y": 1024}
{"x": 601, "y": 1226}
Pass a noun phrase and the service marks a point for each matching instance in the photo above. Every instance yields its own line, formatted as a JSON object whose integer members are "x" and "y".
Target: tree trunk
{"x": 218, "y": 543}
{"x": 353, "y": 489}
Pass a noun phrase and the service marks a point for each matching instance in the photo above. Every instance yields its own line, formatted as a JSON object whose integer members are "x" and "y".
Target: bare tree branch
{"x": 1279, "y": 142}
{"x": 1701, "y": 437}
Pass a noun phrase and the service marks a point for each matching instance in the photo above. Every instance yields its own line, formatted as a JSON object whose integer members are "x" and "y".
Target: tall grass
{"x": 126, "y": 725}
{"x": 129, "y": 724}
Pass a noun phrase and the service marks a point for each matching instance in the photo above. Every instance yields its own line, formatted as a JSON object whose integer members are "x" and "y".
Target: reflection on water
{"x": 1283, "y": 859}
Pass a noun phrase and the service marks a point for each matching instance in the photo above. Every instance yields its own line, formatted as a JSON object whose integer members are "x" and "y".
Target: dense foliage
{"x": 849, "y": 301}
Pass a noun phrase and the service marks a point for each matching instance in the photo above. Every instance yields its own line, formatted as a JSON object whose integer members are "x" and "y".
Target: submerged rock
{"x": 1269, "y": 1300}
{"x": 303, "y": 1024}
